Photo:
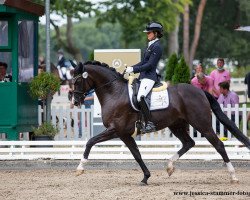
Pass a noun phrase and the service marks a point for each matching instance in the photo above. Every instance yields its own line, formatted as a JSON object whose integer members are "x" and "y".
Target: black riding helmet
{"x": 155, "y": 27}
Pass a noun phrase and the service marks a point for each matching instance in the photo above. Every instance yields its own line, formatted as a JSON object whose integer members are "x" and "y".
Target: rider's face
{"x": 151, "y": 35}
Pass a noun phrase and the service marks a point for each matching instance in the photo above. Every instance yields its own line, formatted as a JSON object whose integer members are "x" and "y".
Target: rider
{"x": 147, "y": 69}
{"x": 64, "y": 66}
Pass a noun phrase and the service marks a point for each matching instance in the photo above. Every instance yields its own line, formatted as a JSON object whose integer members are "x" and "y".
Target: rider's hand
{"x": 129, "y": 70}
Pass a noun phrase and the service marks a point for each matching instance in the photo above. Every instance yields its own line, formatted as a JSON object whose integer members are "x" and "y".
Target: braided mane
{"x": 94, "y": 62}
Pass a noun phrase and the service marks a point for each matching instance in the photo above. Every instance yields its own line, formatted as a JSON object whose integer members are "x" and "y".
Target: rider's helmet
{"x": 155, "y": 27}
{"x": 60, "y": 52}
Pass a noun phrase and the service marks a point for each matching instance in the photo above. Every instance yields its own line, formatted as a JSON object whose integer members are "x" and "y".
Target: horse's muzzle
{"x": 78, "y": 98}
{"x": 76, "y": 103}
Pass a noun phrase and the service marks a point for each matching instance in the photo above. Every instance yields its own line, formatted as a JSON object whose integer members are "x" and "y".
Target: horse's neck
{"x": 109, "y": 88}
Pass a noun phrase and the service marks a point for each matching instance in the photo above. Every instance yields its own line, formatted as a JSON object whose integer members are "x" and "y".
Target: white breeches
{"x": 145, "y": 87}
{"x": 64, "y": 73}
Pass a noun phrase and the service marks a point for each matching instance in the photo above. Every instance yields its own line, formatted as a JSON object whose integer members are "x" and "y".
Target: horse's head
{"x": 95, "y": 75}
{"x": 82, "y": 84}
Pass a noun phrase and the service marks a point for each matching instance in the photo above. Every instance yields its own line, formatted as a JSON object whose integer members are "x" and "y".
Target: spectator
{"x": 203, "y": 82}
{"x": 88, "y": 102}
{"x": 4, "y": 77}
{"x": 247, "y": 82}
{"x": 198, "y": 69}
{"x": 227, "y": 97}
{"x": 219, "y": 75}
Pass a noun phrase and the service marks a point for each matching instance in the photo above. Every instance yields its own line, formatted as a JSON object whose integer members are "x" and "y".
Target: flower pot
{"x": 42, "y": 138}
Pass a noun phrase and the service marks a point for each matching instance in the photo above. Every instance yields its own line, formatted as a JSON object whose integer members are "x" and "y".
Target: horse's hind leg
{"x": 108, "y": 134}
{"x": 180, "y": 131}
{"x": 219, "y": 146}
{"x": 131, "y": 144}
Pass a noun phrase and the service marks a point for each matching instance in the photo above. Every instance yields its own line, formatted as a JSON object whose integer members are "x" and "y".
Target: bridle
{"x": 82, "y": 94}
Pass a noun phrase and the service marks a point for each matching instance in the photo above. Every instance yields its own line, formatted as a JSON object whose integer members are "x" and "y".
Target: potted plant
{"x": 41, "y": 87}
{"x": 46, "y": 131}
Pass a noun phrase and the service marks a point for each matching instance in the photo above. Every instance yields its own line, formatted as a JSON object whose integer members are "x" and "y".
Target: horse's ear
{"x": 80, "y": 68}
{"x": 85, "y": 74}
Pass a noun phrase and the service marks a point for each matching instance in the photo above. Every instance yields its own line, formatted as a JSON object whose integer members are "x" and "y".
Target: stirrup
{"x": 149, "y": 127}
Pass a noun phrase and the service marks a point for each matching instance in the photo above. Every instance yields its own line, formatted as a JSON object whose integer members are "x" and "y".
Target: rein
{"x": 85, "y": 93}
{"x": 106, "y": 84}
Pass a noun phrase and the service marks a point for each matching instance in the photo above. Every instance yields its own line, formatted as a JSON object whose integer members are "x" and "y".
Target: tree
{"x": 86, "y": 37}
{"x": 173, "y": 39}
{"x": 197, "y": 31}
{"x": 181, "y": 72}
{"x": 217, "y": 37}
{"x": 189, "y": 54}
{"x": 69, "y": 9}
{"x": 133, "y": 14}
{"x": 170, "y": 67}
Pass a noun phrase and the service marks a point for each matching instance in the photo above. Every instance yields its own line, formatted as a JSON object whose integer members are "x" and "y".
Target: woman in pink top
{"x": 219, "y": 75}
{"x": 203, "y": 82}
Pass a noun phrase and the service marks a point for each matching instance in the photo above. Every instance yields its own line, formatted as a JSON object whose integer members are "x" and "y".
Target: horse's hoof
{"x": 79, "y": 172}
{"x": 170, "y": 171}
{"x": 143, "y": 184}
{"x": 234, "y": 181}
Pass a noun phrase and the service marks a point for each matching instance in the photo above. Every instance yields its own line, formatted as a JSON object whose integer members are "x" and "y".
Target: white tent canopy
{"x": 243, "y": 28}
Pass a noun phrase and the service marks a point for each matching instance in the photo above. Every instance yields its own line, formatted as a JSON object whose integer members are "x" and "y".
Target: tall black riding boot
{"x": 149, "y": 125}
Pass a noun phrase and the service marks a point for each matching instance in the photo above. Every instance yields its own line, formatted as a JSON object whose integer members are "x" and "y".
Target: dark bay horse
{"x": 188, "y": 105}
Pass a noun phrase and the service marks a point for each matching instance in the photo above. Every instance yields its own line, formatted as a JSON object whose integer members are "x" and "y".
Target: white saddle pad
{"x": 159, "y": 100}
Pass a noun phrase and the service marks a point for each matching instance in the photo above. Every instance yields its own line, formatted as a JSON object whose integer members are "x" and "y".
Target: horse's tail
{"x": 230, "y": 125}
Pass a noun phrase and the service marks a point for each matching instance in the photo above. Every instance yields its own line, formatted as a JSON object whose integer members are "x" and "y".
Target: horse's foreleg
{"x": 187, "y": 143}
{"x": 131, "y": 144}
{"x": 108, "y": 134}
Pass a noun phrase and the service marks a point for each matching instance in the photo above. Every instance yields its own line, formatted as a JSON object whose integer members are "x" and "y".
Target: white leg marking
{"x": 170, "y": 168}
{"x": 81, "y": 164}
{"x": 231, "y": 170}
{"x": 173, "y": 159}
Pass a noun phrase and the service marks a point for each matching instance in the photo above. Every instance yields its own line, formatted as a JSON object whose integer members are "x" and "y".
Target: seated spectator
{"x": 227, "y": 97}
{"x": 219, "y": 75}
{"x": 203, "y": 82}
{"x": 4, "y": 77}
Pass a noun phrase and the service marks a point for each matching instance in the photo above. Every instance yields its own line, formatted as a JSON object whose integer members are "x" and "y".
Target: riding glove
{"x": 129, "y": 70}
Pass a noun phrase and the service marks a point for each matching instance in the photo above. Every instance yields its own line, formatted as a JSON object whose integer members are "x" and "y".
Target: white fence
{"x": 25, "y": 150}
{"x": 73, "y": 124}
{"x": 158, "y": 145}
{"x": 62, "y": 119}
